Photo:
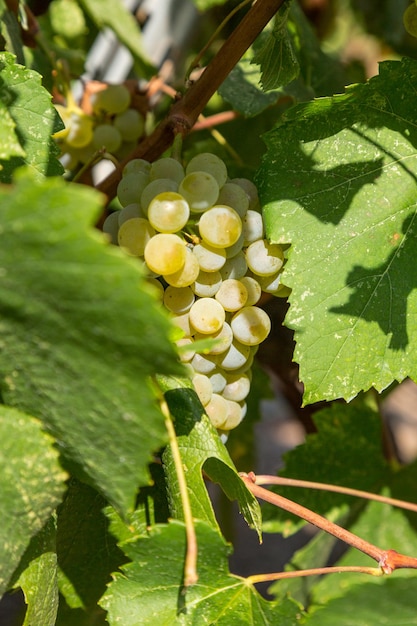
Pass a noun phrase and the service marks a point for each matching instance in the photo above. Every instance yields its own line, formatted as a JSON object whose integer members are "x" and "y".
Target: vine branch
{"x": 185, "y": 112}
{"x": 388, "y": 560}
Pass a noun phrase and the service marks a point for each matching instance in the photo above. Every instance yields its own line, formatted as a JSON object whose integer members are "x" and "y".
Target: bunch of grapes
{"x": 201, "y": 239}
{"x": 112, "y": 125}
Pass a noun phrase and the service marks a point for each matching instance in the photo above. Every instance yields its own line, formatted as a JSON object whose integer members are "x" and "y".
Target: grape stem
{"x": 185, "y": 112}
{"x": 293, "y": 482}
{"x": 315, "y": 571}
{"x": 388, "y": 560}
{"x": 190, "y": 563}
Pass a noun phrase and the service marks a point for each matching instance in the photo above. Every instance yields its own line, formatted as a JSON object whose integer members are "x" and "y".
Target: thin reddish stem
{"x": 293, "y": 482}
{"x": 315, "y": 571}
{"x": 388, "y": 560}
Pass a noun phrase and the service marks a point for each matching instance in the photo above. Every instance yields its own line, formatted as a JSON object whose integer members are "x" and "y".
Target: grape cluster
{"x": 201, "y": 238}
{"x": 113, "y": 125}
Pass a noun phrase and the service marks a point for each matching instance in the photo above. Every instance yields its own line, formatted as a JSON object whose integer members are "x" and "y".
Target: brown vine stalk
{"x": 185, "y": 112}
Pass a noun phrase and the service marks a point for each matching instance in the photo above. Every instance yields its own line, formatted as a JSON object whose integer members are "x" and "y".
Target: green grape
{"x": 200, "y": 189}
{"x": 207, "y": 316}
{"x": 251, "y": 325}
{"x": 183, "y": 323}
{"x": 106, "y": 136}
{"x": 167, "y": 167}
{"x": 185, "y": 355}
{"x": 218, "y": 380}
{"x": 237, "y": 387}
{"x": 165, "y": 253}
{"x": 154, "y": 188}
{"x": 234, "y": 415}
{"x": 220, "y": 226}
{"x": 168, "y": 212}
{"x": 234, "y": 196}
{"x": 203, "y": 388}
{"x": 80, "y": 130}
{"x": 130, "y": 124}
{"x": 253, "y": 288}
{"x": 250, "y": 188}
{"x": 410, "y": 19}
{"x": 217, "y": 410}
{"x": 232, "y": 251}
{"x": 187, "y": 274}
{"x": 113, "y": 99}
{"x": 135, "y": 234}
{"x": 236, "y": 267}
{"x": 235, "y": 357}
{"x": 209, "y": 259}
{"x": 223, "y": 337}
{"x": 178, "y": 300}
{"x": 252, "y": 227}
{"x": 207, "y": 284}
{"x": 203, "y": 364}
{"x": 111, "y": 226}
{"x": 232, "y": 295}
{"x": 264, "y": 258}
{"x": 130, "y": 188}
{"x": 157, "y": 286}
{"x": 271, "y": 283}
{"x": 137, "y": 165}
{"x": 207, "y": 162}
{"x": 128, "y": 212}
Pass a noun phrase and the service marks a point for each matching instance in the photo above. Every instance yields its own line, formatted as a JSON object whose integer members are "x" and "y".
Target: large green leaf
{"x": 80, "y": 333}
{"x": 32, "y": 485}
{"x": 202, "y": 449}
{"x": 29, "y": 107}
{"x": 339, "y": 182}
{"x": 87, "y": 553}
{"x": 150, "y": 590}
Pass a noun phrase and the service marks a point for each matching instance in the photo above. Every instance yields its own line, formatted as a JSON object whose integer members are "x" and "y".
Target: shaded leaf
{"x": 32, "y": 485}
{"x": 39, "y": 580}
{"x": 87, "y": 552}
{"x": 150, "y": 589}
{"x": 276, "y": 56}
{"x": 394, "y": 602}
{"x": 29, "y": 106}
{"x": 344, "y": 171}
{"x": 346, "y": 450}
{"x": 78, "y": 326}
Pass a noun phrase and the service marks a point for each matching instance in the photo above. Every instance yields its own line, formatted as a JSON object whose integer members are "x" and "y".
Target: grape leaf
{"x": 116, "y": 16}
{"x": 80, "y": 333}
{"x": 10, "y": 33}
{"x": 29, "y": 107}
{"x": 346, "y": 450}
{"x": 381, "y": 600}
{"x": 382, "y": 525}
{"x": 150, "y": 589}
{"x": 38, "y": 579}
{"x": 32, "y": 485}
{"x": 276, "y": 56}
{"x": 394, "y": 602}
{"x": 201, "y": 448}
{"x": 343, "y": 172}
{"x": 87, "y": 552}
